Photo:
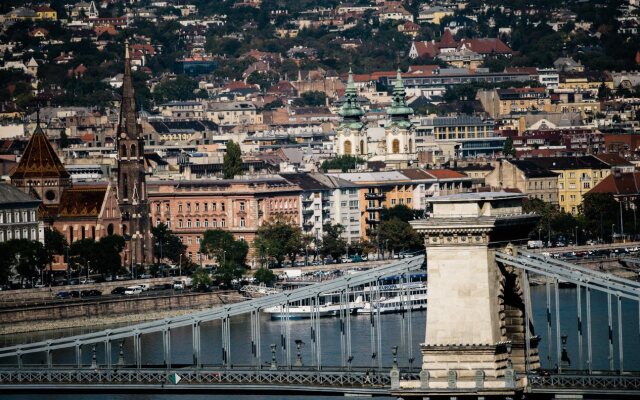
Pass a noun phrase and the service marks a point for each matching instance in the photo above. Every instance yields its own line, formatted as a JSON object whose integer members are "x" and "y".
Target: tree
{"x": 27, "y": 257}
{"x": 232, "y": 163}
{"x": 395, "y": 235}
{"x": 229, "y": 271}
{"x": 224, "y": 247}
{"x": 312, "y": 98}
{"x": 508, "y": 149}
{"x": 182, "y": 88}
{"x": 343, "y": 163}
{"x": 166, "y": 245}
{"x": 54, "y": 243}
{"x": 64, "y": 140}
{"x": 109, "y": 249}
{"x": 333, "y": 244}
{"x": 265, "y": 275}
{"x": 84, "y": 252}
{"x": 600, "y": 211}
{"x": 400, "y": 211}
{"x": 5, "y": 264}
{"x": 279, "y": 239}
{"x": 201, "y": 277}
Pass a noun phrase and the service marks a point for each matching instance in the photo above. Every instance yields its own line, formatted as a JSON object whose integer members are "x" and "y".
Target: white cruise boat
{"x": 304, "y": 311}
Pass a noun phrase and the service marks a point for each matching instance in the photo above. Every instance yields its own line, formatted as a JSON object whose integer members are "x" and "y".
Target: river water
{"x": 393, "y": 327}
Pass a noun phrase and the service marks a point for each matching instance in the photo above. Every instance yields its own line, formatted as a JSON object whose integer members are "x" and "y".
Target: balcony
{"x": 307, "y": 211}
{"x": 374, "y": 208}
{"x": 307, "y": 200}
{"x": 373, "y": 221}
{"x": 374, "y": 196}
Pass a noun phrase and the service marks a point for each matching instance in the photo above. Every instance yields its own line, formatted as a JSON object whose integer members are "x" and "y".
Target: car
{"x": 75, "y": 293}
{"x": 84, "y": 281}
{"x": 91, "y": 293}
{"x": 63, "y": 295}
{"x": 144, "y": 286}
{"x": 74, "y": 282}
{"x": 145, "y": 276}
{"x": 131, "y": 290}
{"x": 118, "y": 290}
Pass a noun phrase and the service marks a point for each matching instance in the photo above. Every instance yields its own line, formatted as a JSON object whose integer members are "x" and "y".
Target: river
{"x": 392, "y": 327}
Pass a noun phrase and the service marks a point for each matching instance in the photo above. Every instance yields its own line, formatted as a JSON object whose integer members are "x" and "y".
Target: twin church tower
{"x": 397, "y": 149}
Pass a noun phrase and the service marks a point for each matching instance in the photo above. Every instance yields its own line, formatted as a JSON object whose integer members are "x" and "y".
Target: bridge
{"x": 480, "y": 340}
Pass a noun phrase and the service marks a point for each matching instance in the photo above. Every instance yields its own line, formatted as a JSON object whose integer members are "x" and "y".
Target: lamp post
{"x": 394, "y": 352}
{"x": 564, "y": 357}
{"x": 299, "y": 345}
{"x": 273, "y": 356}
{"x": 612, "y": 231}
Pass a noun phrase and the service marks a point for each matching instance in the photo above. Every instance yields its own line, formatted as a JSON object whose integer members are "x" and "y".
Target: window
{"x": 188, "y": 207}
{"x": 242, "y": 222}
{"x": 180, "y": 207}
{"x": 561, "y": 197}
{"x": 409, "y": 200}
{"x": 223, "y": 223}
{"x": 573, "y": 197}
{"x": 197, "y": 207}
{"x": 242, "y": 206}
{"x": 206, "y": 223}
{"x": 572, "y": 174}
{"x": 213, "y": 206}
{"x": 400, "y": 201}
{"x": 221, "y": 206}
{"x": 180, "y": 223}
{"x": 198, "y": 239}
{"x": 215, "y": 223}
{"x": 158, "y": 207}
{"x": 188, "y": 223}
{"x": 206, "y": 207}
{"x": 393, "y": 202}
{"x": 197, "y": 223}
{"x": 189, "y": 240}
{"x": 586, "y": 185}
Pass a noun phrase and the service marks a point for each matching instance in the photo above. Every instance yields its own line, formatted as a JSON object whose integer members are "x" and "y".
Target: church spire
{"x": 399, "y": 110}
{"x": 128, "y": 121}
{"x": 351, "y": 110}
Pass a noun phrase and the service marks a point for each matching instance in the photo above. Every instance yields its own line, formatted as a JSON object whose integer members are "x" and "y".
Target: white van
{"x": 144, "y": 286}
{"x": 133, "y": 290}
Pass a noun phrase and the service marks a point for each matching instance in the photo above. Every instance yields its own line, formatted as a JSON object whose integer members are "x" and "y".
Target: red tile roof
{"x": 445, "y": 174}
{"x": 627, "y": 183}
{"x": 85, "y": 201}
{"x": 487, "y": 46}
{"x": 39, "y": 159}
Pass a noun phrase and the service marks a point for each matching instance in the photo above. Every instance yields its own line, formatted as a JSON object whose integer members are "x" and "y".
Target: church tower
{"x": 132, "y": 191}
{"x": 400, "y": 137}
{"x": 351, "y": 137}
{"x": 40, "y": 171}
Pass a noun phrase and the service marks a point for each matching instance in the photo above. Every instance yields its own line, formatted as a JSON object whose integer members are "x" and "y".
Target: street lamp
{"x": 299, "y": 345}
{"x": 273, "y": 356}
{"x": 565, "y": 361}
{"x": 612, "y": 232}
{"x": 394, "y": 352}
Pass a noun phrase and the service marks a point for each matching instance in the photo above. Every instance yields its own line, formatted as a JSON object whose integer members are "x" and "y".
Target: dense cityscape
{"x": 409, "y": 199}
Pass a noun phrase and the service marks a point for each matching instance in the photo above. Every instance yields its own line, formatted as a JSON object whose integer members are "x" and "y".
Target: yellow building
{"x": 46, "y": 13}
{"x": 585, "y": 81}
{"x": 576, "y": 176}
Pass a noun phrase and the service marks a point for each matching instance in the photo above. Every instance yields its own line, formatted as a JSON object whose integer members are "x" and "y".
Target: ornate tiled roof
{"x": 39, "y": 159}
{"x": 83, "y": 201}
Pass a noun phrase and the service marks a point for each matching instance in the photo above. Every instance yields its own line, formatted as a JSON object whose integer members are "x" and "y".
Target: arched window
{"x": 123, "y": 150}
{"x": 83, "y": 233}
{"x": 133, "y": 150}
{"x": 395, "y": 146}
{"x": 362, "y": 147}
{"x": 347, "y": 147}
{"x": 410, "y": 145}
{"x": 125, "y": 187}
{"x": 110, "y": 229}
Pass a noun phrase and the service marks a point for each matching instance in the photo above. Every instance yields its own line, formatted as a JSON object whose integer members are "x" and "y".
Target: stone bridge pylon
{"x": 475, "y": 333}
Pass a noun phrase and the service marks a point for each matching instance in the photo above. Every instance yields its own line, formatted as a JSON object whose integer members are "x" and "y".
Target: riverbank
{"x": 110, "y": 312}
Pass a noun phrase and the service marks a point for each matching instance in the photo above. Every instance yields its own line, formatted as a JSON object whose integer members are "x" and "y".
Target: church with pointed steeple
{"x": 132, "y": 191}
{"x": 400, "y": 136}
{"x": 351, "y": 134}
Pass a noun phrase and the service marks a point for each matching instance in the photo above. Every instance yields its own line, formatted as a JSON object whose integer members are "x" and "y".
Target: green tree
{"x": 262, "y": 79}
{"x": 84, "y": 253}
{"x": 400, "y": 211}
{"x": 343, "y": 163}
{"x": 109, "y": 261}
{"x": 166, "y": 245}
{"x": 265, "y": 275}
{"x": 182, "y": 88}
{"x": 229, "y": 271}
{"x": 232, "y": 163}
{"x": 27, "y": 257}
{"x": 333, "y": 244}
{"x": 395, "y": 235}
{"x": 279, "y": 239}
{"x": 600, "y": 211}
{"x": 5, "y": 264}
{"x": 201, "y": 277}
{"x": 311, "y": 98}
{"x": 224, "y": 247}
{"x": 508, "y": 149}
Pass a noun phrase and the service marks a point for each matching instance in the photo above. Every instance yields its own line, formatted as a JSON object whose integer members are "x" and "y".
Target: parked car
{"x": 144, "y": 286}
{"x": 91, "y": 293}
{"x": 118, "y": 290}
{"x": 145, "y": 276}
{"x": 131, "y": 290}
{"x": 63, "y": 295}
{"x": 75, "y": 293}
